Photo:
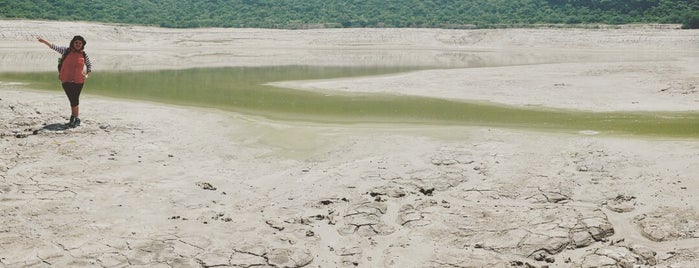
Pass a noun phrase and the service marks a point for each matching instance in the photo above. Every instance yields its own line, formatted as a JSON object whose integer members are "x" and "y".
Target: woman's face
{"x": 77, "y": 44}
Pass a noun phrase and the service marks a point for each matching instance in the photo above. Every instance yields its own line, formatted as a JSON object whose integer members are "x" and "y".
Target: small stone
{"x": 206, "y": 186}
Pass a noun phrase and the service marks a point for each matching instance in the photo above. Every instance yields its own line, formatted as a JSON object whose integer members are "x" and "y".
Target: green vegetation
{"x": 243, "y": 89}
{"x": 296, "y": 14}
{"x": 692, "y": 21}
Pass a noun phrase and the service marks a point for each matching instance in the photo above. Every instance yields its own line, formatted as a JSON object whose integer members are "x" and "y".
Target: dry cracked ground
{"x": 454, "y": 208}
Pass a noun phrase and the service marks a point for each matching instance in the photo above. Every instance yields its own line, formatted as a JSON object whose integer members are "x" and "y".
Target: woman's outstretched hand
{"x": 42, "y": 40}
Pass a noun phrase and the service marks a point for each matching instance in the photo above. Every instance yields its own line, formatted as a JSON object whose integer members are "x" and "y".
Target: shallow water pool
{"x": 243, "y": 89}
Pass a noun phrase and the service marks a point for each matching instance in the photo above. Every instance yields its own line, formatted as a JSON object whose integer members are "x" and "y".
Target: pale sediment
{"x": 142, "y": 184}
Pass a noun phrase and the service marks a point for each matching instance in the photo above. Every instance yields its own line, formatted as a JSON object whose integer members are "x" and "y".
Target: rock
{"x": 581, "y": 239}
{"x": 599, "y": 228}
{"x": 534, "y": 231}
{"x": 393, "y": 191}
{"x": 619, "y": 256}
{"x": 622, "y": 203}
{"x": 647, "y": 255}
{"x": 667, "y": 224}
{"x": 365, "y": 219}
{"x": 206, "y": 186}
{"x": 681, "y": 258}
{"x": 289, "y": 257}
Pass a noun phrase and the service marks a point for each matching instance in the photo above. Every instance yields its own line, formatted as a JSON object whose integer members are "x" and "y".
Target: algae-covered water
{"x": 243, "y": 89}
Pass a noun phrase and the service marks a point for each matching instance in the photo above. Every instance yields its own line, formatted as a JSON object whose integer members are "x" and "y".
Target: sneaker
{"x": 75, "y": 123}
{"x": 71, "y": 121}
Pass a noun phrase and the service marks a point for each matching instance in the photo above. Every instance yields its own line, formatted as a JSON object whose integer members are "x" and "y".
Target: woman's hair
{"x": 77, "y": 37}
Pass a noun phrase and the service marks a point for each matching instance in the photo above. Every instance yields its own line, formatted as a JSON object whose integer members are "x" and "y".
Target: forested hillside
{"x": 358, "y": 13}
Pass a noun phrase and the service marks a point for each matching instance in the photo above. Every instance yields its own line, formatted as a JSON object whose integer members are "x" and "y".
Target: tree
{"x": 691, "y": 22}
{"x": 356, "y": 13}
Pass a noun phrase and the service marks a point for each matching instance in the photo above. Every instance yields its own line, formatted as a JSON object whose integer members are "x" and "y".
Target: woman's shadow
{"x": 56, "y": 127}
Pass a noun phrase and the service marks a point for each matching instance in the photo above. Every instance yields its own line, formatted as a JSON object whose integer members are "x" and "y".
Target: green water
{"x": 242, "y": 89}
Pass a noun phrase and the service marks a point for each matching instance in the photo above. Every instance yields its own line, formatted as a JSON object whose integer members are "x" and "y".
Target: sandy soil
{"x": 151, "y": 185}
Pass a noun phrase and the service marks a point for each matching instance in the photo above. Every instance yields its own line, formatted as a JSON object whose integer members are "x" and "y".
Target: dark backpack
{"x": 60, "y": 60}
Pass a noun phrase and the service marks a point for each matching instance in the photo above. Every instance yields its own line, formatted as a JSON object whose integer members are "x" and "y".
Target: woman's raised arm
{"x": 42, "y": 40}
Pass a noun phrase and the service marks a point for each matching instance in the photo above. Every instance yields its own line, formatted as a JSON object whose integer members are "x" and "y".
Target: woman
{"x": 72, "y": 72}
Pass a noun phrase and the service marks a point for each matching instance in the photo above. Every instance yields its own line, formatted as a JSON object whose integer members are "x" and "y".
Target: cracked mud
{"x": 457, "y": 200}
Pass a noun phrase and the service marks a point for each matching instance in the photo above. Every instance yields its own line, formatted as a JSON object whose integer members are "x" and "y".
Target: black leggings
{"x": 73, "y": 92}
